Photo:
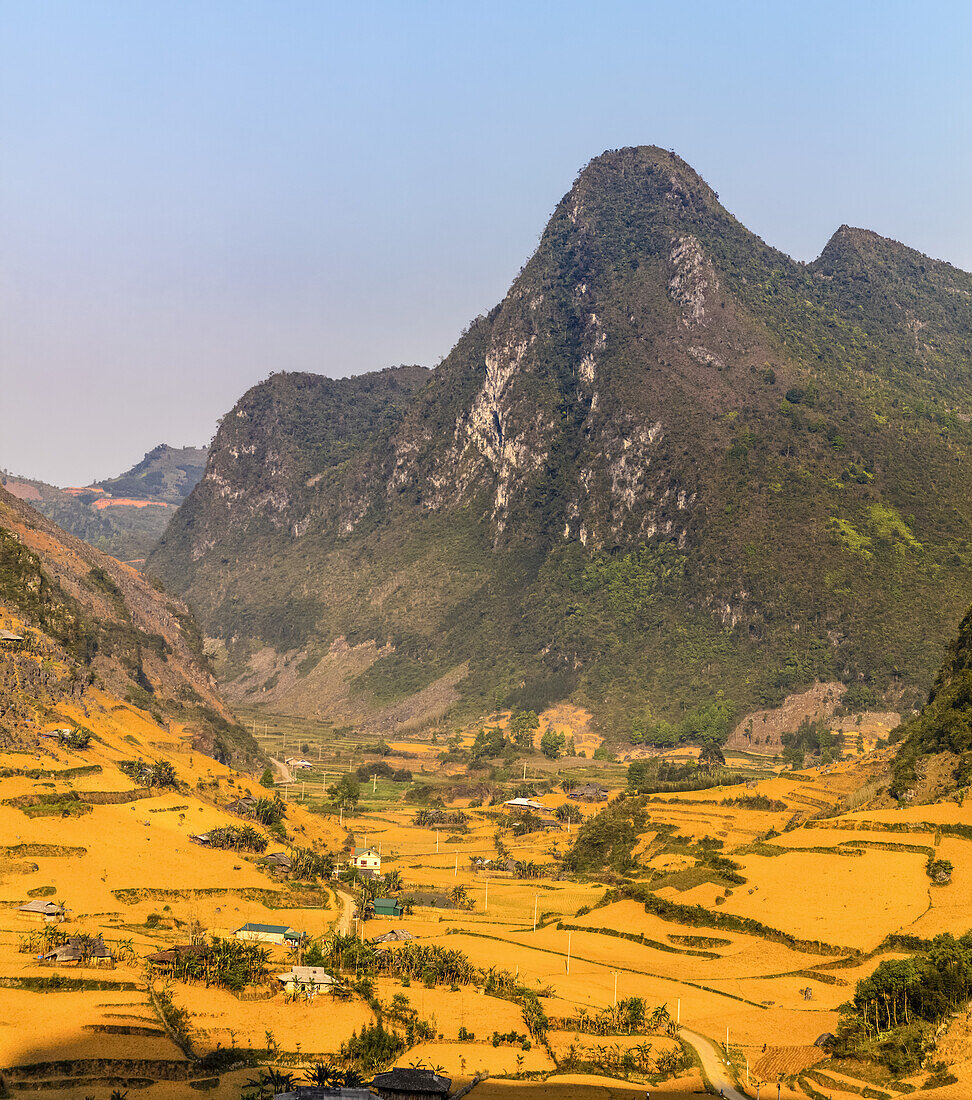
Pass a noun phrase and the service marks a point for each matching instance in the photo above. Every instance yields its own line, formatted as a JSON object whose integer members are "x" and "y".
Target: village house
{"x": 403, "y": 1083}
{"x": 8, "y": 637}
{"x": 165, "y": 961}
{"x": 366, "y": 859}
{"x": 526, "y": 804}
{"x": 306, "y": 979}
{"x": 78, "y": 949}
{"x": 588, "y": 792}
{"x": 269, "y": 933}
{"x": 396, "y": 935}
{"x": 279, "y": 861}
{"x": 49, "y": 911}
{"x": 242, "y": 806}
{"x": 387, "y": 907}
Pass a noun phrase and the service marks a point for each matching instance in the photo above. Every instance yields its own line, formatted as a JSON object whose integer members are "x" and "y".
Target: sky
{"x": 195, "y": 195}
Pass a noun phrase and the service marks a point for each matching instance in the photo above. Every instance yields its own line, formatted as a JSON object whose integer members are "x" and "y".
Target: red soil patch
{"x": 22, "y": 491}
{"x": 127, "y": 502}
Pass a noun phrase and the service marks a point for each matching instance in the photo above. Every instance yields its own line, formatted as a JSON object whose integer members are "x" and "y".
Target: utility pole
{"x": 678, "y": 1012}
{"x": 455, "y": 874}
{"x": 374, "y": 783}
{"x": 568, "y": 952}
{"x": 615, "y": 989}
{"x": 536, "y": 898}
{"x": 436, "y": 841}
{"x": 486, "y": 902}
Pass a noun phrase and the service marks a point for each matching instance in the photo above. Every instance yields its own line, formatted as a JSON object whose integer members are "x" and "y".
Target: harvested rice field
{"x": 770, "y": 958}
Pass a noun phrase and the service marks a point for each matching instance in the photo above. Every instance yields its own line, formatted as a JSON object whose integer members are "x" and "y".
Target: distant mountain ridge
{"x": 673, "y": 466}
{"x": 166, "y": 474}
{"x": 125, "y": 515}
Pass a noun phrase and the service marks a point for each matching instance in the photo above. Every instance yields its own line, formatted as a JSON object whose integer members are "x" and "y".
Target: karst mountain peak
{"x": 672, "y": 461}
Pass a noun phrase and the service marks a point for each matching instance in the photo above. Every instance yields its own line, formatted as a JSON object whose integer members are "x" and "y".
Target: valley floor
{"x": 757, "y": 969}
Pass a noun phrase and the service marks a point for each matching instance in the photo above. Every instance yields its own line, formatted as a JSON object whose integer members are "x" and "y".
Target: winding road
{"x": 284, "y": 774}
{"x": 713, "y": 1064}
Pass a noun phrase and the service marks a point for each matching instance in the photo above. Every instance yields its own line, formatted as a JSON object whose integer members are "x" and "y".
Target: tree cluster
{"x": 893, "y": 1013}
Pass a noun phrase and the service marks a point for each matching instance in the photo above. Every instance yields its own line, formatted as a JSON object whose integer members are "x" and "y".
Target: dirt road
{"x": 345, "y": 921}
{"x": 713, "y": 1063}
{"x": 283, "y": 773}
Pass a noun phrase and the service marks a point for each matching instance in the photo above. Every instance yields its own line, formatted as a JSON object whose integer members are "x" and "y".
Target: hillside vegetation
{"x": 943, "y": 729}
{"x": 672, "y": 465}
{"x": 125, "y": 515}
{"x": 88, "y": 623}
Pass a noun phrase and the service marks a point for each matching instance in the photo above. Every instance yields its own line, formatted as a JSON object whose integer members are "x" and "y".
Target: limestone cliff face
{"x": 298, "y": 453}
{"x": 762, "y": 448}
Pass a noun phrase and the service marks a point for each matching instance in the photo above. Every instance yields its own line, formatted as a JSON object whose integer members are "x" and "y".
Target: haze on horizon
{"x": 198, "y": 195}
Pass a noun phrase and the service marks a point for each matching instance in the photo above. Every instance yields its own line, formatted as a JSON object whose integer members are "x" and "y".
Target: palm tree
{"x": 125, "y": 950}
{"x": 322, "y": 1076}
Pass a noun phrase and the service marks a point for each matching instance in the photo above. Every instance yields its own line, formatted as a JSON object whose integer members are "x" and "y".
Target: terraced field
{"x": 763, "y": 963}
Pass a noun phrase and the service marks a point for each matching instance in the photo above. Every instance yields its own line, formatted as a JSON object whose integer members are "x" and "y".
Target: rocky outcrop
{"x": 671, "y": 462}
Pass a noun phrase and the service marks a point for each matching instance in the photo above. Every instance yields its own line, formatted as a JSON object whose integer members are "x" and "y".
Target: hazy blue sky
{"x": 195, "y": 194}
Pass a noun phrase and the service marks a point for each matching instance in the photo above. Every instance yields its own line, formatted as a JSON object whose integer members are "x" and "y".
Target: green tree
{"x": 522, "y": 725}
{"x": 711, "y": 755}
{"x": 553, "y": 744}
{"x": 266, "y": 780}
{"x": 346, "y": 792}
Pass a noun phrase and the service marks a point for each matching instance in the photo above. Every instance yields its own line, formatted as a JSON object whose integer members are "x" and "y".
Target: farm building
{"x": 166, "y": 960}
{"x": 366, "y": 859}
{"x": 410, "y": 1084}
{"x": 396, "y": 935}
{"x": 49, "y": 911}
{"x": 588, "y": 792}
{"x": 303, "y": 765}
{"x": 79, "y": 949}
{"x": 387, "y": 907}
{"x": 9, "y": 637}
{"x": 306, "y": 979}
{"x": 242, "y": 806}
{"x": 279, "y": 861}
{"x": 269, "y": 933}
{"x": 526, "y": 804}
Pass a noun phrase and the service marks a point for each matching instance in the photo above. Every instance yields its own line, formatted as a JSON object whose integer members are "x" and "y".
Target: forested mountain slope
{"x": 672, "y": 465}
{"x": 943, "y": 729}
{"x": 80, "y": 624}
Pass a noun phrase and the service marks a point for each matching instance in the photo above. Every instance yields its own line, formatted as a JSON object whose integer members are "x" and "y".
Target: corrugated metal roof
{"x": 39, "y": 905}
